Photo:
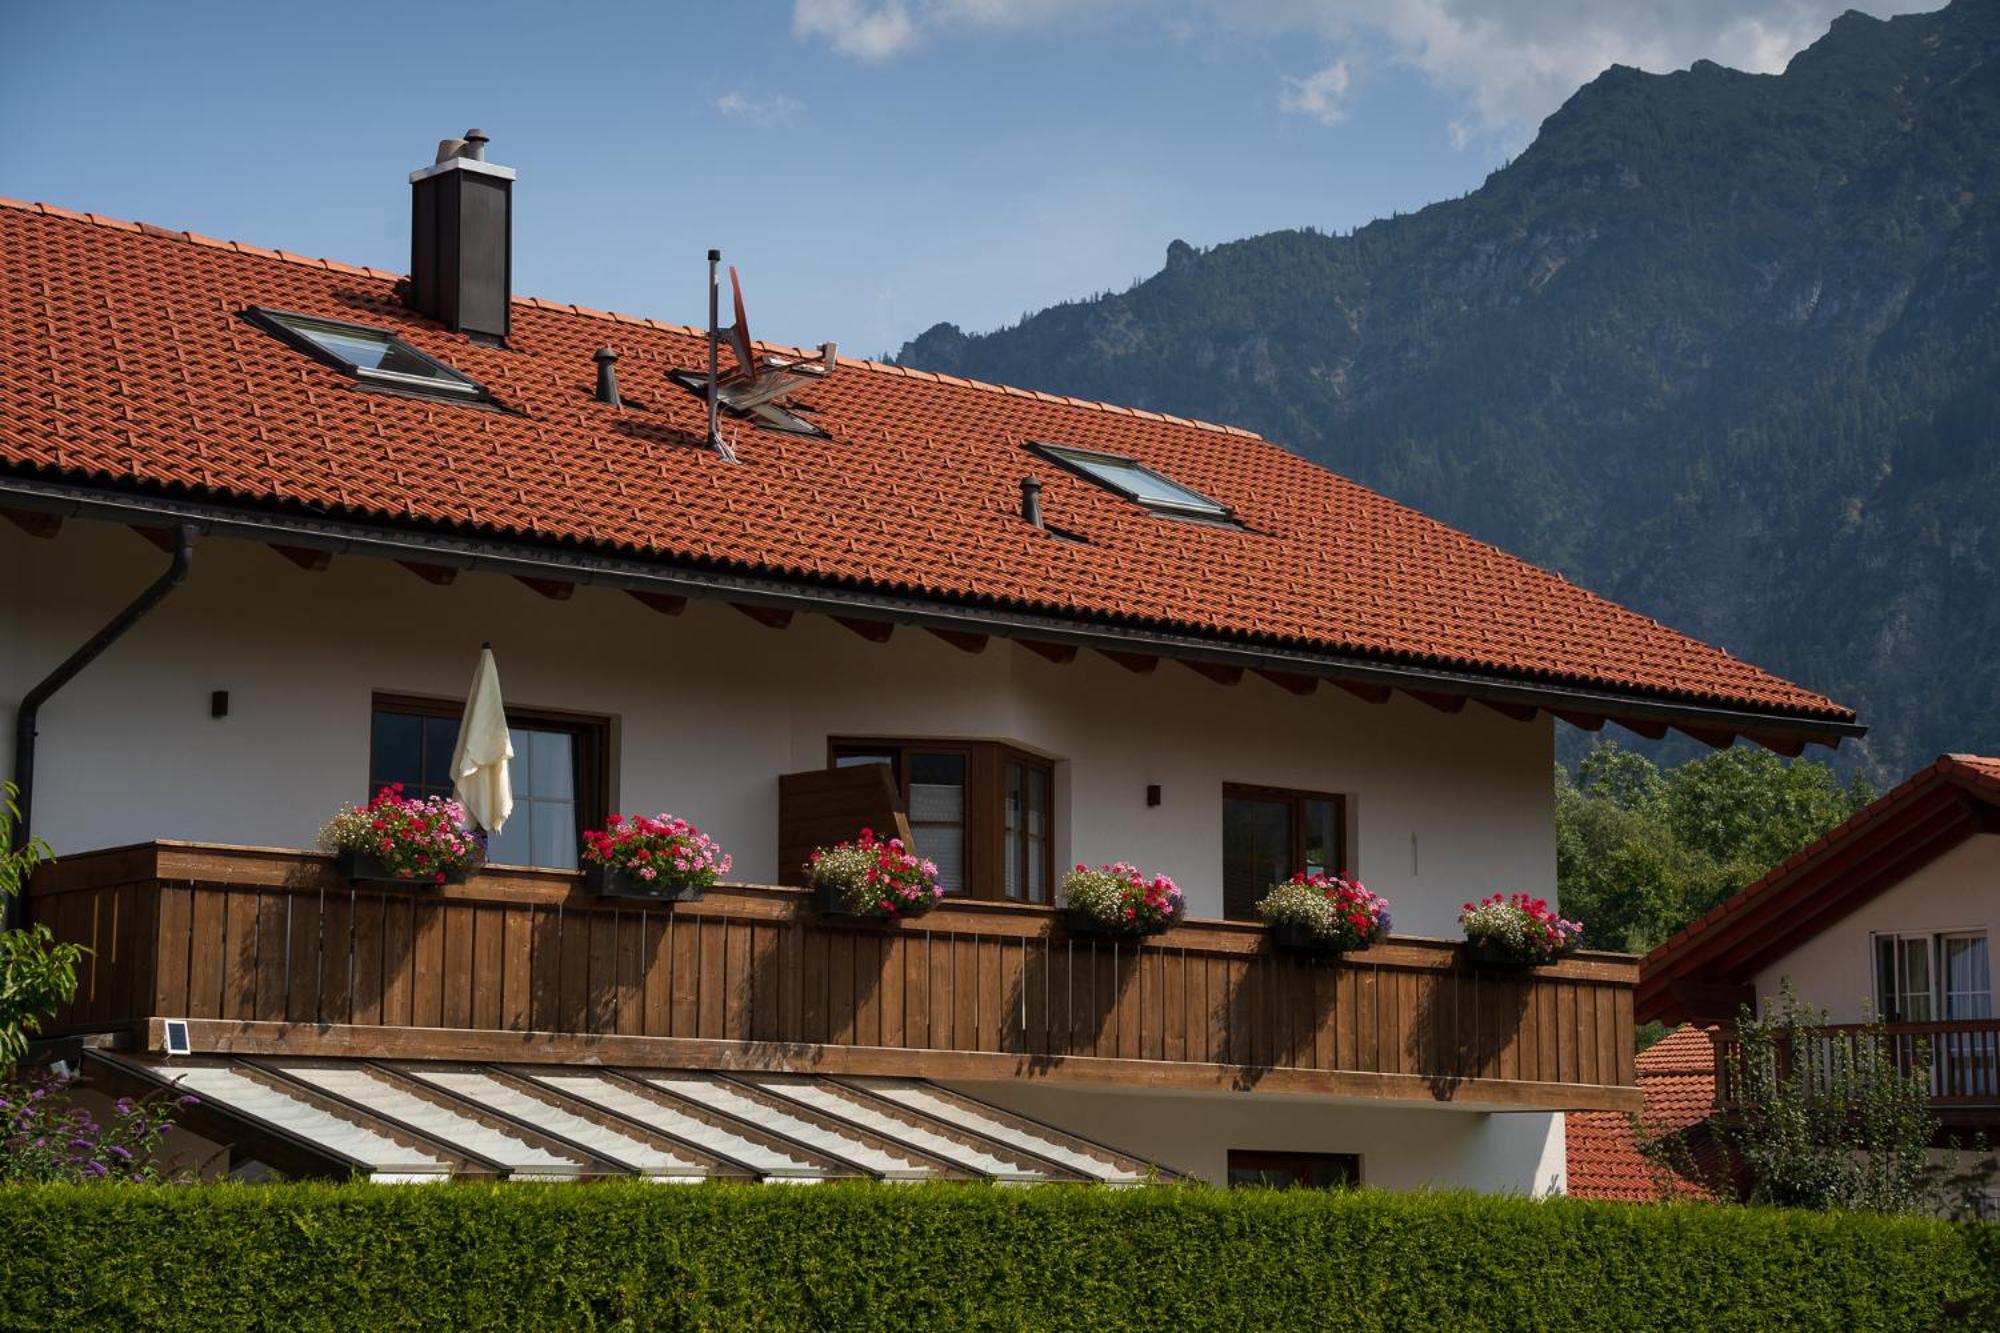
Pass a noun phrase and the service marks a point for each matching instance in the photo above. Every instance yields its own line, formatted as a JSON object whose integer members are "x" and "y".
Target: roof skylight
{"x": 371, "y": 355}
{"x": 1137, "y": 482}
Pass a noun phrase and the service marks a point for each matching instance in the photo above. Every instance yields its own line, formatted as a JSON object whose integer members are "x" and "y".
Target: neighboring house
{"x": 1889, "y": 914}
{"x": 1033, "y": 630}
{"x": 1677, "y": 1080}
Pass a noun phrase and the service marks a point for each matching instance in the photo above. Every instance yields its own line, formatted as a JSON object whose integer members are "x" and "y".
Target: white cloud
{"x": 1323, "y": 95}
{"x": 767, "y": 112}
{"x": 1510, "y": 62}
{"x": 858, "y": 28}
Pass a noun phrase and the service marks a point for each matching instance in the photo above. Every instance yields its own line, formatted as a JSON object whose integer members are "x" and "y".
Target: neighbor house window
{"x": 981, "y": 810}
{"x": 558, "y": 773}
{"x": 371, "y": 355}
{"x": 1270, "y": 834}
{"x": 1293, "y": 1170}
{"x": 1922, "y": 978}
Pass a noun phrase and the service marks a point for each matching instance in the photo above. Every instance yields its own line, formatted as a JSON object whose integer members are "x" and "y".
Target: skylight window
{"x": 372, "y": 356}
{"x": 1137, "y": 482}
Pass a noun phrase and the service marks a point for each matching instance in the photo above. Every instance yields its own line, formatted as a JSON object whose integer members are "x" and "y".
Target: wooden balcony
{"x": 271, "y": 952}
{"x": 1961, "y": 1055}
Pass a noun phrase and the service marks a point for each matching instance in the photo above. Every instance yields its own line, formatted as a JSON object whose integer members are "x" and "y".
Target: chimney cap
{"x": 605, "y": 353}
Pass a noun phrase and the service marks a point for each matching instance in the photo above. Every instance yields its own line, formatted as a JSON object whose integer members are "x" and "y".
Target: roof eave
{"x": 142, "y": 508}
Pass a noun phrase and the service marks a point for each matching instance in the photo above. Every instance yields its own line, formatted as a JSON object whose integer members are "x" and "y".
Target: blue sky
{"x": 873, "y": 166}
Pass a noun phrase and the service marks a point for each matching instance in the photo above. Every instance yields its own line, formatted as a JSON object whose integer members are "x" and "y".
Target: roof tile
{"x": 924, "y": 465}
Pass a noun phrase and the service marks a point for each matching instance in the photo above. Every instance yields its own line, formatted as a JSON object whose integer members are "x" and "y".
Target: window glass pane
{"x": 1139, "y": 481}
{"x": 552, "y": 762}
{"x": 1012, "y": 820}
{"x": 512, "y": 845}
{"x": 1968, "y": 986}
{"x": 1038, "y": 836}
{"x": 944, "y": 844}
{"x": 370, "y": 349}
{"x": 1915, "y": 963}
{"x": 440, "y": 739}
{"x": 1256, "y": 851}
{"x": 1322, "y": 838}
{"x": 1886, "y": 1005}
{"x": 552, "y": 827}
{"x": 397, "y": 748}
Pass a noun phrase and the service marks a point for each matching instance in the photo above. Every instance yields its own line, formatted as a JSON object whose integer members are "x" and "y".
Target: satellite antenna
{"x": 759, "y": 383}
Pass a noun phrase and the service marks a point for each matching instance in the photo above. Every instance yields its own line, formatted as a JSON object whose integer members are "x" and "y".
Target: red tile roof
{"x": 1677, "y": 1077}
{"x": 1821, "y": 871}
{"x": 124, "y": 361}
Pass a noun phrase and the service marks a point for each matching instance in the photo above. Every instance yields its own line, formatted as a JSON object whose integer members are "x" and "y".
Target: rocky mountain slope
{"x": 1725, "y": 347}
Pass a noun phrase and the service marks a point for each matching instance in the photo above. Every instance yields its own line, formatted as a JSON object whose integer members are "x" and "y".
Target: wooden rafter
{"x": 1138, "y": 663}
{"x": 34, "y": 522}
{"x": 1374, "y": 694}
{"x": 441, "y": 575}
{"x": 556, "y": 590}
{"x": 875, "y": 631}
{"x": 666, "y": 603}
{"x": 1221, "y": 673}
{"x": 1291, "y": 682}
{"x": 966, "y": 641}
{"x": 309, "y": 558}
{"x": 770, "y": 617}
{"x": 1444, "y": 703}
{"x": 1519, "y": 712}
{"x": 1582, "y": 721}
{"x": 1054, "y": 652}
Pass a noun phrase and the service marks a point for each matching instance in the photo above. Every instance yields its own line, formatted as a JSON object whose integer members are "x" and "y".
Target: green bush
{"x": 640, "y": 1256}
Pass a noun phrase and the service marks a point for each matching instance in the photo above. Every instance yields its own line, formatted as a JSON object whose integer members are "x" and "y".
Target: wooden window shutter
{"x": 824, "y": 806}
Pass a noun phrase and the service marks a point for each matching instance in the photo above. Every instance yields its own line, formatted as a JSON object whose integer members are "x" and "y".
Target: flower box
{"x": 872, "y": 879}
{"x": 609, "y": 881}
{"x": 1516, "y": 931}
{"x": 1498, "y": 956}
{"x": 396, "y": 839}
{"x": 357, "y": 867}
{"x": 651, "y": 858}
{"x": 1323, "y": 914}
{"x": 1118, "y": 900}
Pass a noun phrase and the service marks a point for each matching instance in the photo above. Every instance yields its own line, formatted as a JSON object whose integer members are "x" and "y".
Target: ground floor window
{"x": 981, "y": 810}
{"x": 558, "y": 772}
{"x": 1293, "y": 1170}
{"x": 1270, "y": 834}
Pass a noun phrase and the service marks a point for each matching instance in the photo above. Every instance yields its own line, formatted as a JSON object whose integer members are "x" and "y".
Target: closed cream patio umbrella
{"x": 479, "y": 777}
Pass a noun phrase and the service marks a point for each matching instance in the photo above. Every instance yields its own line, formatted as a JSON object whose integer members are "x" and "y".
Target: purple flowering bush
{"x": 46, "y": 1136}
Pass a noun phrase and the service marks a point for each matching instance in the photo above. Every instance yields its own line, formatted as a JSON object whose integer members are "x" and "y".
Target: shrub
{"x": 870, "y": 877}
{"x": 37, "y": 973}
{"x": 1341, "y": 912}
{"x": 1118, "y": 897}
{"x": 659, "y": 850}
{"x": 1522, "y": 928}
{"x": 946, "y": 1256}
{"x": 48, "y": 1136}
{"x": 415, "y": 839}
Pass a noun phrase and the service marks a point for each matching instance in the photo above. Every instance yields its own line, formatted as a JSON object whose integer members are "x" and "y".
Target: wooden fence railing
{"x": 271, "y": 950}
{"x": 1961, "y": 1057}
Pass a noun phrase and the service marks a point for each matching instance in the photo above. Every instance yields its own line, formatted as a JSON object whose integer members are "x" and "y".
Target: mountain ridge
{"x": 1724, "y": 347}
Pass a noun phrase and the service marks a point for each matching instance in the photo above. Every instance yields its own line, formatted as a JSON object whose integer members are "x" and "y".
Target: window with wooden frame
{"x": 559, "y": 772}
{"x": 1270, "y": 834}
{"x": 1293, "y": 1170}
{"x": 1921, "y": 978}
{"x": 983, "y": 811}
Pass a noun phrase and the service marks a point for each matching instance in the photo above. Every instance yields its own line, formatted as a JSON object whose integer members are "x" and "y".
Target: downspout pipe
{"x": 32, "y": 701}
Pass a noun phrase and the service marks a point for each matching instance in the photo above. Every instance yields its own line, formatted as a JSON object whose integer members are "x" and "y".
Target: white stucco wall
{"x": 1402, "y": 1147}
{"x": 708, "y": 708}
{"x": 1834, "y": 970}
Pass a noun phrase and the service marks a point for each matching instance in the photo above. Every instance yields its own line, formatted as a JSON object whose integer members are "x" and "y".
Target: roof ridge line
{"x": 611, "y": 316}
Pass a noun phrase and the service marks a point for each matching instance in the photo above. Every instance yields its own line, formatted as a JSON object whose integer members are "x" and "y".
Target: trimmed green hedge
{"x": 632, "y": 1255}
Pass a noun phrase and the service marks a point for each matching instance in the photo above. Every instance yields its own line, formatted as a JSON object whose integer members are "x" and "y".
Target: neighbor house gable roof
{"x": 128, "y": 365}
{"x": 1704, "y": 971}
{"x": 1676, "y": 1076}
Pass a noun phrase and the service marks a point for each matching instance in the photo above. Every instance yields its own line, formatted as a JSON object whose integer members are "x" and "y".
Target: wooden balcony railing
{"x": 270, "y": 951}
{"x": 1962, "y": 1057}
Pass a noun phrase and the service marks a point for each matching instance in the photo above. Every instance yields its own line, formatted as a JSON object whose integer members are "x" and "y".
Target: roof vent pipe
{"x": 607, "y": 376}
{"x": 1031, "y": 501}
{"x": 475, "y": 145}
